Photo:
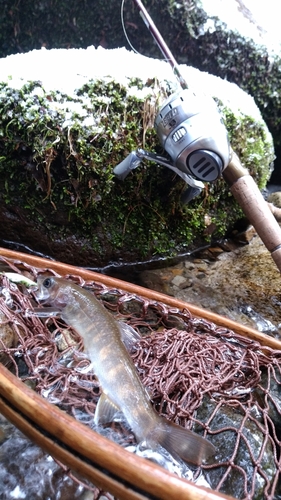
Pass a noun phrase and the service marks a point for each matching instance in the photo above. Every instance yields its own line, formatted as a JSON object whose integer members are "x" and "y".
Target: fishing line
{"x": 124, "y": 29}
{"x": 127, "y": 36}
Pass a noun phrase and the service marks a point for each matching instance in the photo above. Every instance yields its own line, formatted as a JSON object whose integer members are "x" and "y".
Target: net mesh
{"x": 199, "y": 375}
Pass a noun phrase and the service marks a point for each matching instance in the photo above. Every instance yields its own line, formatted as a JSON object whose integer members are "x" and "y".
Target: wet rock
{"x": 189, "y": 265}
{"x": 155, "y": 280}
{"x": 200, "y": 276}
{"x": 2, "y": 436}
{"x": 7, "y": 334}
{"x": 8, "y": 338}
{"x": 244, "y": 236}
{"x": 5, "y": 428}
{"x": 269, "y": 394}
{"x": 180, "y": 281}
{"x": 228, "y": 245}
{"x": 65, "y": 340}
{"x": 131, "y": 307}
{"x": 228, "y": 423}
{"x": 241, "y": 283}
{"x": 172, "y": 321}
{"x": 261, "y": 324}
{"x": 31, "y": 384}
{"x": 214, "y": 252}
{"x": 275, "y": 198}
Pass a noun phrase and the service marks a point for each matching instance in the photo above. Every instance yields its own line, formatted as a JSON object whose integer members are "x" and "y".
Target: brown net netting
{"x": 222, "y": 385}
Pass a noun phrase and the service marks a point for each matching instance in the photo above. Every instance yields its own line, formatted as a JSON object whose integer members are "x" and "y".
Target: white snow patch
{"x": 66, "y": 70}
{"x": 255, "y": 19}
{"x": 17, "y": 493}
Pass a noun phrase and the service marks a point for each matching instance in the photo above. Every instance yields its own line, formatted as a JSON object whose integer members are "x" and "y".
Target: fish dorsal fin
{"x": 105, "y": 410}
{"x": 128, "y": 334}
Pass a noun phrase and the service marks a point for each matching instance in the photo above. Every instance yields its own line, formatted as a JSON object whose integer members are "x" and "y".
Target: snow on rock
{"x": 253, "y": 19}
{"x": 68, "y": 69}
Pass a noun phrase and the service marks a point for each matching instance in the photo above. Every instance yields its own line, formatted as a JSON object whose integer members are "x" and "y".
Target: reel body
{"x": 191, "y": 131}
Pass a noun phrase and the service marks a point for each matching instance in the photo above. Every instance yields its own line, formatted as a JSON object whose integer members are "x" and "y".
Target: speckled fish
{"x": 116, "y": 372}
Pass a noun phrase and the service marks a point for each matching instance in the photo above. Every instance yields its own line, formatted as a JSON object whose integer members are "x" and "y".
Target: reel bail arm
{"x": 135, "y": 158}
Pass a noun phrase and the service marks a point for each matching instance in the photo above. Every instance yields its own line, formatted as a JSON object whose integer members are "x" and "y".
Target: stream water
{"x": 232, "y": 278}
{"x": 26, "y": 472}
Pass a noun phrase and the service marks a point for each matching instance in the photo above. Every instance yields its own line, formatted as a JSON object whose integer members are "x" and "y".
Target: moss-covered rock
{"x": 203, "y": 41}
{"x": 58, "y": 149}
{"x": 194, "y": 37}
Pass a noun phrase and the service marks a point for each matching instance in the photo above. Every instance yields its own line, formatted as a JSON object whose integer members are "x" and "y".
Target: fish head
{"x": 53, "y": 291}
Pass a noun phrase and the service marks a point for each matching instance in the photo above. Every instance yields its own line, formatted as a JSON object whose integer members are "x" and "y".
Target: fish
{"x": 122, "y": 389}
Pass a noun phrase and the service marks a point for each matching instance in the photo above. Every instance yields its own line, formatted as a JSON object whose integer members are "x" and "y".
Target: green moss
{"x": 58, "y": 153}
{"x": 252, "y": 143}
{"x": 227, "y": 54}
{"x": 59, "y": 24}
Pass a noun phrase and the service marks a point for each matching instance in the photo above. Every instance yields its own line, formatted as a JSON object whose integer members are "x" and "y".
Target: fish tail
{"x": 183, "y": 443}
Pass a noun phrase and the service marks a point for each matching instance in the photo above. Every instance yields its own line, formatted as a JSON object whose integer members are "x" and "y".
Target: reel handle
{"x": 124, "y": 168}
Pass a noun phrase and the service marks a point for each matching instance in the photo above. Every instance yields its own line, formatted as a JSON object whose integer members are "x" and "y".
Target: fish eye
{"x": 47, "y": 283}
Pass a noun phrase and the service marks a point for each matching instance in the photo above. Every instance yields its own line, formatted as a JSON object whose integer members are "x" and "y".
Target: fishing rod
{"x": 190, "y": 130}
{"x": 160, "y": 42}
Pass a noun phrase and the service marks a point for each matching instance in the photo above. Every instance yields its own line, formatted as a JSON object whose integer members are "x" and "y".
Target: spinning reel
{"x": 191, "y": 131}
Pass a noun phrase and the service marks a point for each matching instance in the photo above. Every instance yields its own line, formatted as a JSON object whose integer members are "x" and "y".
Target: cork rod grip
{"x": 259, "y": 214}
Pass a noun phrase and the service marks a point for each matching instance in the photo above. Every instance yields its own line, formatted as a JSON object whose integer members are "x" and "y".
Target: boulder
{"x": 237, "y": 40}
{"x": 67, "y": 117}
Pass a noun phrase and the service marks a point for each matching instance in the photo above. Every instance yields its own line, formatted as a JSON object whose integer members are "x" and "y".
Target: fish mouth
{"x": 41, "y": 294}
{"x": 55, "y": 295}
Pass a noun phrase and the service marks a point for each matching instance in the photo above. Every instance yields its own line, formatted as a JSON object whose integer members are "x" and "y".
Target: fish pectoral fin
{"x": 43, "y": 312}
{"x": 105, "y": 410}
{"x": 128, "y": 334}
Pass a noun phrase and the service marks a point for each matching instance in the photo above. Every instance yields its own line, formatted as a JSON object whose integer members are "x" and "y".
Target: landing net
{"x": 207, "y": 378}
